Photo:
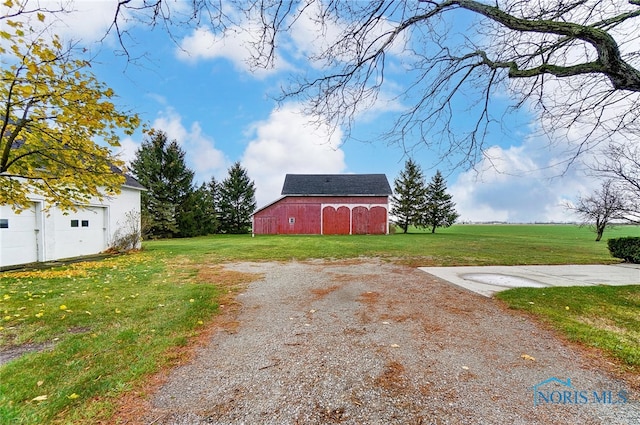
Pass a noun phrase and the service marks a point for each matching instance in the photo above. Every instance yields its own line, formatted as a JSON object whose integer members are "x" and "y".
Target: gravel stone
{"x": 368, "y": 342}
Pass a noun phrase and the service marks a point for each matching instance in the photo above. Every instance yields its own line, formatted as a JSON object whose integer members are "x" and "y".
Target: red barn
{"x": 327, "y": 204}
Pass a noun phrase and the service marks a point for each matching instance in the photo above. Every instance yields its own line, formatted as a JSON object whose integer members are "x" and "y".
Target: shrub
{"x": 129, "y": 235}
{"x": 627, "y": 248}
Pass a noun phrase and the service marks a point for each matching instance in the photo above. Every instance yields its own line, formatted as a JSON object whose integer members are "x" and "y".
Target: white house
{"x": 38, "y": 235}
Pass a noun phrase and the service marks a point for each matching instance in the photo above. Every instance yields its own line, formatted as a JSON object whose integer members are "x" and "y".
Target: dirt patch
{"x": 323, "y": 292}
{"x": 388, "y": 345}
{"x": 392, "y": 378}
{"x": 8, "y": 354}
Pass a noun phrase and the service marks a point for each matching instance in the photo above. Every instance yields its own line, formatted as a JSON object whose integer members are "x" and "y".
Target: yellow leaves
{"x": 68, "y": 107}
{"x": 40, "y": 398}
{"x": 63, "y": 307}
{"x": 528, "y": 357}
{"x": 50, "y": 274}
{"x": 73, "y": 396}
{"x": 41, "y": 17}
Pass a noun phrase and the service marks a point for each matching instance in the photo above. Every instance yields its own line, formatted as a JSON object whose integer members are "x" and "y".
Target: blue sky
{"x": 202, "y": 94}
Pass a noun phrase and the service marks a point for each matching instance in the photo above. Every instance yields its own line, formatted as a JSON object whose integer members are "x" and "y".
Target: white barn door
{"x": 80, "y": 233}
{"x": 19, "y": 235}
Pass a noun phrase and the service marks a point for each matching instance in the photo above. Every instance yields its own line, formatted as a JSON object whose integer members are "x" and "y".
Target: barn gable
{"x": 327, "y": 204}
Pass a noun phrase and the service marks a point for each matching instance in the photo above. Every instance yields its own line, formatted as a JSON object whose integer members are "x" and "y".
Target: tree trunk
{"x": 599, "y": 233}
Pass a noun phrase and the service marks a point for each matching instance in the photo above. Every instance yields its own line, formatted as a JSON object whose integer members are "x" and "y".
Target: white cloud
{"x": 127, "y": 149}
{"x": 290, "y": 142}
{"x": 313, "y": 36}
{"x": 201, "y": 156}
{"x": 520, "y": 185}
{"x": 87, "y": 21}
{"x": 233, "y": 45}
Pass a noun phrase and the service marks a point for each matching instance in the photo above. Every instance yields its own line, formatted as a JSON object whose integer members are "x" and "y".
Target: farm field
{"x": 100, "y": 329}
{"x": 459, "y": 245}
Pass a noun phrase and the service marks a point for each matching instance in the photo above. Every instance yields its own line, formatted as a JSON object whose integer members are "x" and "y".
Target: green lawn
{"x": 454, "y": 246}
{"x": 607, "y": 317}
{"x": 107, "y": 325}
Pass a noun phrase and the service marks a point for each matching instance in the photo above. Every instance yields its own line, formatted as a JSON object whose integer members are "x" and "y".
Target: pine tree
{"x": 237, "y": 201}
{"x": 409, "y": 196}
{"x": 197, "y": 216}
{"x": 439, "y": 208}
{"x": 160, "y": 167}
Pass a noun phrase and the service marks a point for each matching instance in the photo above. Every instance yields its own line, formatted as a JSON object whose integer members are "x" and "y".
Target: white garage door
{"x": 18, "y": 236}
{"x": 80, "y": 233}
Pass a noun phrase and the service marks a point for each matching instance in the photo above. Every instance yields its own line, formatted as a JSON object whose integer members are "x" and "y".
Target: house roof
{"x": 133, "y": 183}
{"x": 336, "y": 185}
{"x": 129, "y": 181}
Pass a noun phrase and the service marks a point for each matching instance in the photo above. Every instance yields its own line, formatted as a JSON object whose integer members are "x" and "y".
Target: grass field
{"x": 454, "y": 246}
{"x": 105, "y": 326}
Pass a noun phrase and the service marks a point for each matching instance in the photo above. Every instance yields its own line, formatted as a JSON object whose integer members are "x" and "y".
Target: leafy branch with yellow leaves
{"x": 58, "y": 124}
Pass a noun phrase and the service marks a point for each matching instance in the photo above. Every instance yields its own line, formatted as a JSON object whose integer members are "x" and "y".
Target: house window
{"x": 292, "y": 220}
{"x": 74, "y": 223}
{"x": 85, "y": 223}
{"x": 4, "y": 223}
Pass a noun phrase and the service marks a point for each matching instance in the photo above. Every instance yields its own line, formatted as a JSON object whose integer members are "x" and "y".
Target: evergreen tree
{"x": 409, "y": 196}
{"x": 439, "y": 208}
{"x": 213, "y": 204}
{"x": 160, "y": 167}
{"x": 197, "y": 215}
{"x": 237, "y": 201}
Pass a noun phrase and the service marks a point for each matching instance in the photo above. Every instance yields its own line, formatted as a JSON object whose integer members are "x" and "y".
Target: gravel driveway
{"x": 368, "y": 342}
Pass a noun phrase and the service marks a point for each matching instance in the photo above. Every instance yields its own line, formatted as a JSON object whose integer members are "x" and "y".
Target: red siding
{"x": 302, "y": 215}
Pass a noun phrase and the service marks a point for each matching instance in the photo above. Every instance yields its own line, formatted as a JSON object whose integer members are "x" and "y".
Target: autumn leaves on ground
{"x": 104, "y": 327}
{"x": 87, "y": 336}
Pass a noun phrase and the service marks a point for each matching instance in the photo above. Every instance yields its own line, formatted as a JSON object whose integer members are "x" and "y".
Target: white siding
{"x": 128, "y": 203}
{"x": 37, "y": 235}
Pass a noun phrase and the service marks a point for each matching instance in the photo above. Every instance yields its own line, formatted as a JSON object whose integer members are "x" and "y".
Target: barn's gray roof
{"x": 336, "y": 185}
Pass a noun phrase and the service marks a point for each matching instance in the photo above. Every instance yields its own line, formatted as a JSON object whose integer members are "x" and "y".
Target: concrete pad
{"x": 487, "y": 280}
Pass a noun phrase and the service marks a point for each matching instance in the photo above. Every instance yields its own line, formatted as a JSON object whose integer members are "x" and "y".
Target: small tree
{"x": 439, "y": 208}
{"x": 620, "y": 163}
{"x": 237, "y": 201}
{"x": 599, "y": 209}
{"x": 409, "y": 196}
{"x": 128, "y": 234}
{"x": 160, "y": 167}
